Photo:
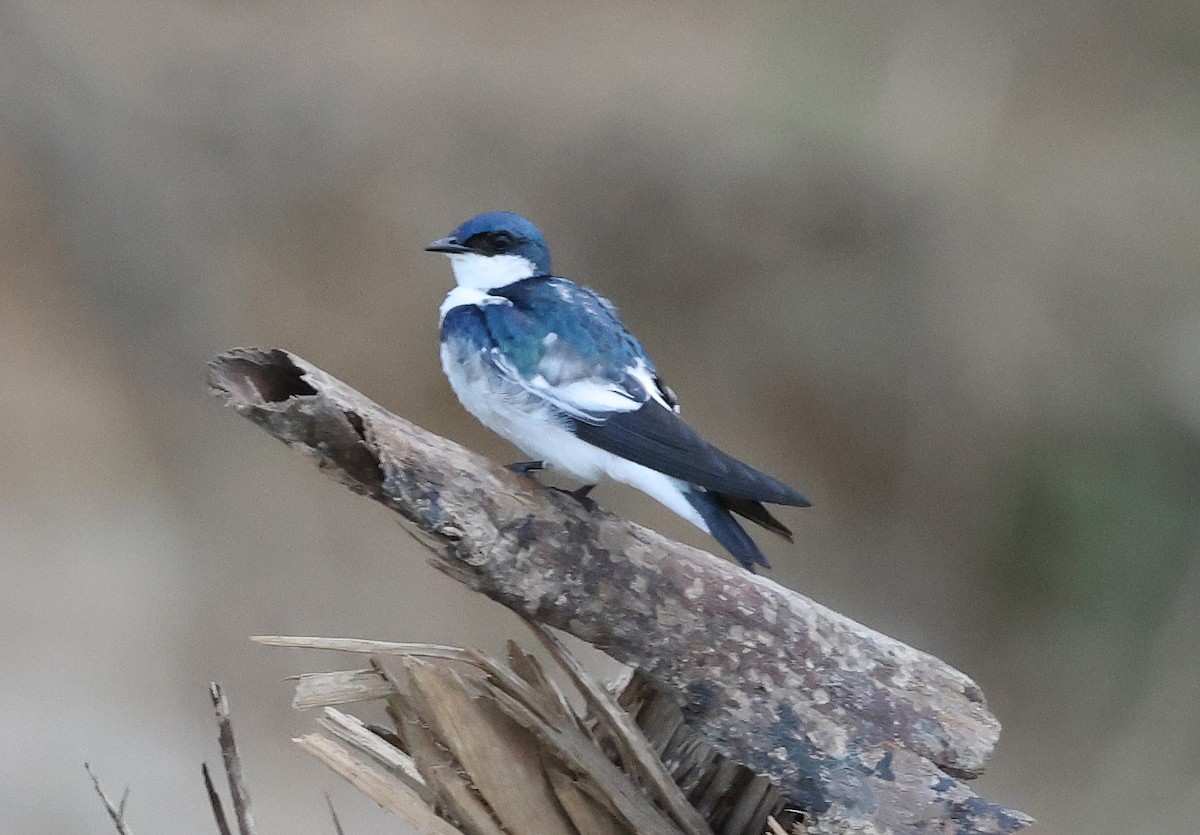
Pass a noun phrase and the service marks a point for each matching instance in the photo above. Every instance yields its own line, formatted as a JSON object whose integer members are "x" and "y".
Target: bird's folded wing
{"x": 577, "y": 355}
{"x": 583, "y": 362}
{"x": 655, "y": 437}
{"x": 583, "y": 399}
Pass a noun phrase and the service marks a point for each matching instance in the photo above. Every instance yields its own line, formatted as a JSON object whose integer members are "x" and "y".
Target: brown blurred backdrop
{"x": 935, "y": 264}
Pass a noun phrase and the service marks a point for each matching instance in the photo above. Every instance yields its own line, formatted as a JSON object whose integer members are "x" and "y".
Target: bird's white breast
{"x": 537, "y": 429}
{"x": 504, "y": 406}
{"x": 460, "y": 296}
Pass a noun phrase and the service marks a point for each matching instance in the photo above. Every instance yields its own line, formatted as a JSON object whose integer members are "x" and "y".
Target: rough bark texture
{"x": 864, "y": 733}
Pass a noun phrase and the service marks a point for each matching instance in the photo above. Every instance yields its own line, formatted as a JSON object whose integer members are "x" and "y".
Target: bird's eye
{"x": 501, "y": 242}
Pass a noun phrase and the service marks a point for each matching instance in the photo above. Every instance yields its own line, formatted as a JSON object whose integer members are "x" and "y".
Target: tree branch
{"x": 860, "y": 730}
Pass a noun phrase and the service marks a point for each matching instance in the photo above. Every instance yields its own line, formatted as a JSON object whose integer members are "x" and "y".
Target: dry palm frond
{"x": 492, "y": 747}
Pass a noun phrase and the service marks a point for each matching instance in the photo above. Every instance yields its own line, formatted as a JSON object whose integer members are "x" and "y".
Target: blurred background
{"x": 935, "y": 264}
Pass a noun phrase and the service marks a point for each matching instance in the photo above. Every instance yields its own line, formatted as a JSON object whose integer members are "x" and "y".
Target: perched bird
{"x": 549, "y": 365}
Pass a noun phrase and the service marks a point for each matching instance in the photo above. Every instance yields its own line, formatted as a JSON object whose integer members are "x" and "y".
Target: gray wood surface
{"x": 863, "y": 732}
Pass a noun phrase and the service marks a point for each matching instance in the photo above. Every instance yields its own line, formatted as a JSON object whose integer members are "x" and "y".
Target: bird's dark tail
{"x": 724, "y": 528}
{"x": 755, "y": 512}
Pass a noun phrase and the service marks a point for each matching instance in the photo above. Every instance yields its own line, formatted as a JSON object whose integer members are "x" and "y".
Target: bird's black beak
{"x": 448, "y": 244}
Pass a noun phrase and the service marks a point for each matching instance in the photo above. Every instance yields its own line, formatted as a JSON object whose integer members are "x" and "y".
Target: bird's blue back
{"x": 548, "y": 316}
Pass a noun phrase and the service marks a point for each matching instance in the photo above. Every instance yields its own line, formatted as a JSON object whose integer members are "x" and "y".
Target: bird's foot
{"x": 527, "y": 468}
{"x": 581, "y": 495}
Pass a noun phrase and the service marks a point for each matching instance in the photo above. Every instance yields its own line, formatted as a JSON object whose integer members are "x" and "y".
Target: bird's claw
{"x": 527, "y": 468}
{"x": 581, "y": 495}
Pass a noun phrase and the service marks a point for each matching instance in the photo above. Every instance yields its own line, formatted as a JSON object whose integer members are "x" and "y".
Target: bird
{"x": 548, "y": 364}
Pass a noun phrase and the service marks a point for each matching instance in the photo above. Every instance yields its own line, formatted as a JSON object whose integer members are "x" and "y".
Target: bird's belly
{"x": 522, "y": 418}
{"x": 534, "y": 427}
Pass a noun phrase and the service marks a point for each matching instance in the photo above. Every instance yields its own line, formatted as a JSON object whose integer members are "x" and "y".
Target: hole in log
{"x": 259, "y": 377}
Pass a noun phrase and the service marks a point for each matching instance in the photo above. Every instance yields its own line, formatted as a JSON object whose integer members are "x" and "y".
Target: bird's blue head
{"x": 494, "y": 249}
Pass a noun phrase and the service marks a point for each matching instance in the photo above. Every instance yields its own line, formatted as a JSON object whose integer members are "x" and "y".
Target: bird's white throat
{"x": 483, "y": 272}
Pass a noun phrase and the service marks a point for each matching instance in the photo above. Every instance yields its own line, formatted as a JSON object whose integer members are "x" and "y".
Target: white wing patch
{"x": 592, "y": 397}
{"x": 589, "y": 398}
{"x": 585, "y": 399}
{"x": 641, "y": 372}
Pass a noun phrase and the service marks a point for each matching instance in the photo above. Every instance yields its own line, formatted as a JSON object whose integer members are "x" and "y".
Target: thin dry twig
{"x": 366, "y": 646}
{"x": 214, "y": 801}
{"x": 337, "y": 824}
{"x": 233, "y": 762}
{"x": 117, "y": 812}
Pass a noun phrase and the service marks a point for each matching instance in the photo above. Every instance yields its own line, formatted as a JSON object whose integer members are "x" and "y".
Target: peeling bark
{"x": 864, "y": 733}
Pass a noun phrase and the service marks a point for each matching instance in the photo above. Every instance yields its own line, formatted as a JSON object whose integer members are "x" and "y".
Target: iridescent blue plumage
{"x": 550, "y": 366}
{"x": 589, "y": 336}
{"x": 480, "y": 231}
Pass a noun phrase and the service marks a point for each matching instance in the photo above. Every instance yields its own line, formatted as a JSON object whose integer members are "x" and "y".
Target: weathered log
{"x": 863, "y": 732}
